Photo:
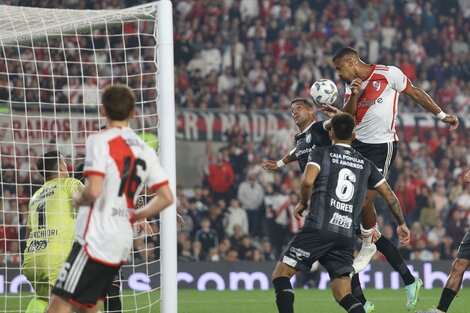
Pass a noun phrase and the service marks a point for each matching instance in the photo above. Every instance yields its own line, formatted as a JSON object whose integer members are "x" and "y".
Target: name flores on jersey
{"x": 341, "y": 206}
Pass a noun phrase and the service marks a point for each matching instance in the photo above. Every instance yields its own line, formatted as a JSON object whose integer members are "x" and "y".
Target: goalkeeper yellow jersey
{"x": 51, "y": 220}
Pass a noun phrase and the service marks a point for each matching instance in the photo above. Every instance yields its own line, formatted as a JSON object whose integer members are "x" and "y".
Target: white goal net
{"x": 54, "y": 64}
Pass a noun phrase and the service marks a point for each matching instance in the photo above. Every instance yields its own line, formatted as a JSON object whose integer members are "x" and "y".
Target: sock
{"x": 447, "y": 297}
{"x": 284, "y": 295}
{"x": 351, "y": 304}
{"x": 394, "y": 258}
{"x": 112, "y": 303}
{"x": 367, "y": 235}
{"x": 357, "y": 289}
{"x": 37, "y": 306}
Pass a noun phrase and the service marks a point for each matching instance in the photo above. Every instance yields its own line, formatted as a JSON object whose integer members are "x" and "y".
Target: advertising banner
{"x": 250, "y": 275}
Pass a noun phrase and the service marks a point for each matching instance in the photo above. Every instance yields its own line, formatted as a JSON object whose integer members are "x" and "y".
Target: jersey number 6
{"x": 345, "y": 186}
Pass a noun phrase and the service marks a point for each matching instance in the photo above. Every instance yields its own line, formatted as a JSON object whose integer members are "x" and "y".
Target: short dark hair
{"x": 119, "y": 101}
{"x": 342, "y": 52}
{"x": 306, "y": 101}
{"x": 48, "y": 164}
{"x": 342, "y": 125}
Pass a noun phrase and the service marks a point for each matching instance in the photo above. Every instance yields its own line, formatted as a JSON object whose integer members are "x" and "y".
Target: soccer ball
{"x": 324, "y": 91}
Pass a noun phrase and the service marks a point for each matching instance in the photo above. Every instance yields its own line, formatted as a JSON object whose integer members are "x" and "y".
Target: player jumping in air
{"x": 371, "y": 95}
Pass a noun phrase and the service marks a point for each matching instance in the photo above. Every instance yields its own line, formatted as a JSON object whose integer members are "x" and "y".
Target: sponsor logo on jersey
{"x": 299, "y": 253}
{"x": 300, "y": 152}
{"x": 45, "y": 193}
{"x": 120, "y": 212}
{"x": 37, "y": 245}
{"x": 365, "y": 103}
{"x": 346, "y": 160}
{"x": 308, "y": 138}
{"x": 341, "y": 221}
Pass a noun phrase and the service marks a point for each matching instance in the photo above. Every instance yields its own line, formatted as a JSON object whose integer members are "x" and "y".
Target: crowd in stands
{"x": 239, "y": 55}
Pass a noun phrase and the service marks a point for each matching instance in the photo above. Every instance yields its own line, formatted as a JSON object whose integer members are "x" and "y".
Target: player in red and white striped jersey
{"x": 372, "y": 93}
{"x": 117, "y": 166}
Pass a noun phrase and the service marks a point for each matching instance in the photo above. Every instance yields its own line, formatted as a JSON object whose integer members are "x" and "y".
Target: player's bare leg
{"x": 59, "y": 305}
{"x": 283, "y": 288}
{"x": 341, "y": 288}
{"x": 452, "y": 287}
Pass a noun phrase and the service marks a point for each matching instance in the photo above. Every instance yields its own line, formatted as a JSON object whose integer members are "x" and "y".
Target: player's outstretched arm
{"x": 394, "y": 205}
{"x": 163, "y": 198}
{"x": 274, "y": 165}
{"x": 423, "y": 99}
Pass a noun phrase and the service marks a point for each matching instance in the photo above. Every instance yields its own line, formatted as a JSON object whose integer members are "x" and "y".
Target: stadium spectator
{"x": 444, "y": 72}
{"x": 220, "y": 176}
{"x": 251, "y": 196}
{"x": 235, "y": 215}
{"x": 207, "y": 236}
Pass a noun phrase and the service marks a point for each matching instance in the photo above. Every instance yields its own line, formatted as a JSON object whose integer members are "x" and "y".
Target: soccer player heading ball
{"x": 371, "y": 96}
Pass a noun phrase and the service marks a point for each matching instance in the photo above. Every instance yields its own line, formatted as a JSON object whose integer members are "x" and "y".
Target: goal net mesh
{"x": 54, "y": 65}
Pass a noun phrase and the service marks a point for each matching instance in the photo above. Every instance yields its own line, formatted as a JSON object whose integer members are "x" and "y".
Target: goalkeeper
{"x": 51, "y": 228}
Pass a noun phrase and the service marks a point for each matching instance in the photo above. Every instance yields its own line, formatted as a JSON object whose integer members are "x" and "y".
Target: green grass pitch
{"x": 306, "y": 301}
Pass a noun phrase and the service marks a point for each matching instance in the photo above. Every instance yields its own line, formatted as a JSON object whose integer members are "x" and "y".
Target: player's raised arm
{"x": 394, "y": 205}
{"x": 350, "y": 103}
{"x": 424, "y": 100}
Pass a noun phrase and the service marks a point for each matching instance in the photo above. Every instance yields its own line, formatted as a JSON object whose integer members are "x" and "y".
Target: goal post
{"x": 168, "y": 153}
{"x": 54, "y": 64}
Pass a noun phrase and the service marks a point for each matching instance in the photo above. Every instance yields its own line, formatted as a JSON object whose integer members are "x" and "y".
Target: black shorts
{"x": 464, "y": 248}
{"x": 381, "y": 154}
{"x": 115, "y": 287}
{"x": 335, "y": 252}
{"x": 82, "y": 281}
